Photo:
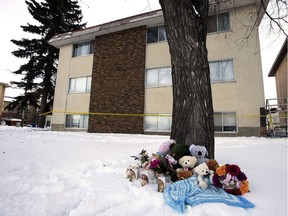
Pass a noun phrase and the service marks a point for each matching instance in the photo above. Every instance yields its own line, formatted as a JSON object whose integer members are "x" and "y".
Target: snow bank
{"x": 80, "y": 174}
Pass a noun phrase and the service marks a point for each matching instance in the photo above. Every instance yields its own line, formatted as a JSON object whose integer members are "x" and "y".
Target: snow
{"x": 51, "y": 173}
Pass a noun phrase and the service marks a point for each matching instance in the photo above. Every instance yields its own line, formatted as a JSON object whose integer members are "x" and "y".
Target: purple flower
{"x": 155, "y": 163}
{"x": 216, "y": 181}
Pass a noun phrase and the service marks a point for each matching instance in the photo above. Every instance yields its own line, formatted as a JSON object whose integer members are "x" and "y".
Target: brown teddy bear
{"x": 212, "y": 164}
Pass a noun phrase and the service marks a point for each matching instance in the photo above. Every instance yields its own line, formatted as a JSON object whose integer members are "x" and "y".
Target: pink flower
{"x": 155, "y": 163}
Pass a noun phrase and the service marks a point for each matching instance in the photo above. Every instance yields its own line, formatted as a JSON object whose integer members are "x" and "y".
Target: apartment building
{"x": 116, "y": 77}
{"x": 3, "y": 86}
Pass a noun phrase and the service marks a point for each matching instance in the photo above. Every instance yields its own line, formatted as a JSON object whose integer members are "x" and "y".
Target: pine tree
{"x": 39, "y": 73}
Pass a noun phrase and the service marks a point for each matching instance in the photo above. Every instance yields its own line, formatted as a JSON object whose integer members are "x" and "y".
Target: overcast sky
{"x": 14, "y": 13}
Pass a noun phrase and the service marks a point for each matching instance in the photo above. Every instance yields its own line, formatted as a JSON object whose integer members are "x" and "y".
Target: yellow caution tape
{"x": 148, "y": 114}
{"x": 104, "y": 114}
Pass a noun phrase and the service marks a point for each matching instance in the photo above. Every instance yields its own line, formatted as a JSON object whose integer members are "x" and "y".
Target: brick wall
{"x": 118, "y": 81}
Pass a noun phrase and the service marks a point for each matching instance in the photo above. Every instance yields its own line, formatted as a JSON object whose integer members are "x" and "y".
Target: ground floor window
{"x": 157, "y": 123}
{"x": 76, "y": 121}
{"x": 225, "y": 121}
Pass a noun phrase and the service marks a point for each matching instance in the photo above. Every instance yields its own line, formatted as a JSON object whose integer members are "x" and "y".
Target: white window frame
{"x": 78, "y": 121}
{"x": 161, "y": 34}
{"x": 157, "y": 73}
{"x": 83, "y": 49}
{"x": 221, "y": 73}
{"x": 217, "y": 18}
{"x": 73, "y": 82}
{"x": 158, "y": 123}
{"x": 223, "y": 124}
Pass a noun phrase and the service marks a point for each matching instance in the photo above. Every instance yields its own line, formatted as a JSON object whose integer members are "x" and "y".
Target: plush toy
{"x": 179, "y": 150}
{"x": 187, "y": 163}
{"x": 212, "y": 164}
{"x": 199, "y": 152}
{"x": 132, "y": 172}
{"x": 164, "y": 148}
{"x": 203, "y": 175}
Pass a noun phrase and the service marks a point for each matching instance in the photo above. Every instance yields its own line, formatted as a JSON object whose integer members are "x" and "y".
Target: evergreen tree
{"x": 39, "y": 73}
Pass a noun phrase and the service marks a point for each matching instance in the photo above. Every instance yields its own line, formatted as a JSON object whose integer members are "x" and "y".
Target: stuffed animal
{"x": 132, "y": 172}
{"x": 199, "y": 152}
{"x": 212, "y": 164}
{"x": 187, "y": 163}
{"x": 203, "y": 175}
{"x": 164, "y": 148}
{"x": 179, "y": 150}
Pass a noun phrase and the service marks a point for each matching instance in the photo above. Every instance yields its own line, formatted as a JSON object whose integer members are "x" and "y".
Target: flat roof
{"x": 5, "y": 84}
{"x": 151, "y": 18}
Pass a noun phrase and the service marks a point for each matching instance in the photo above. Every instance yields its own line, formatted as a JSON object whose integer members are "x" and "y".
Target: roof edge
{"x": 278, "y": 59}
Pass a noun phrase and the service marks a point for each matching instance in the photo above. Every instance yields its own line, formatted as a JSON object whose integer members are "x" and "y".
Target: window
{"x": 221, "y": 71}
{"x": 76, "y": 121}
{"x": 80, "y": 84}
{"x": 157, "y": 123}
{"x": 158, "y": 77}
{"x": 156, "y": 34}
{"x": 218, "y": 23}
{"x": 225, "y": 122}
{"x": 82, "y": 49}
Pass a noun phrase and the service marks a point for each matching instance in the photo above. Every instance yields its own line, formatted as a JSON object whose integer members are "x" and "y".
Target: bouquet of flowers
{"x": 142, "y": 157}
{"x": 231, "y": 179}
{"x": 157, "y": 162}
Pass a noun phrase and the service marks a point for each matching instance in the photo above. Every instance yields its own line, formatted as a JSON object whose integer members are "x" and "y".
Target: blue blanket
{"x": 187, "y": 192}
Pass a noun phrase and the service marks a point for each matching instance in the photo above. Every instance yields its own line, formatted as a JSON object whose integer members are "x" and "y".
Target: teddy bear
{"x": 204, "y": 175}
{"x": 178, "y": 150}
{"x": 199, "y": 152}
{"x": 187, "y": 163}
{"x": 212, "y": 164}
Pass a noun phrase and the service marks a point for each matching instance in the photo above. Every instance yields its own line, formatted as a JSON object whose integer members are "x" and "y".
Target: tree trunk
{"x": 192, "y": 117}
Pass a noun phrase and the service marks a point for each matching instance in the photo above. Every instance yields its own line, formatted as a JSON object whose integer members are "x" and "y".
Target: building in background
{"x": 279, "y": 70}
{"x": 3, "y": 86}
{"x": 278, "y": 107}
{"x": 116, "y": 77}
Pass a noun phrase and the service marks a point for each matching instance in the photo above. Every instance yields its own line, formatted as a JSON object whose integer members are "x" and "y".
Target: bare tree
{"x": 186, "y": 27}
{"x": 277, "y": 13}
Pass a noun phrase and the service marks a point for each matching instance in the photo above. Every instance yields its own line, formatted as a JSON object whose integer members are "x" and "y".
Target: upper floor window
{"x": 218, "y": 23}
{"x": 80, "y": 84}
{"x": 158, "y": 77}
{"x": 156, "y": 34}
{"x": 82, "y": 49}
{"x": 221, "y": 71}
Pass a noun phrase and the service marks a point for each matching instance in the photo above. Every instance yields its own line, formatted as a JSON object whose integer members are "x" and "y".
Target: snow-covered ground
{"x": 44, "y": 173}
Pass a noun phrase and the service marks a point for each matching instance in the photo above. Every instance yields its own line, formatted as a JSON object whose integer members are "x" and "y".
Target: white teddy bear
{"x": 204, "y": 175}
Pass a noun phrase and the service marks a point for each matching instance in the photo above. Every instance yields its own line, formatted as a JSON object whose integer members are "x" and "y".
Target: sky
{"x": 14, "y": 13}
{"x": 82, "y": 174}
